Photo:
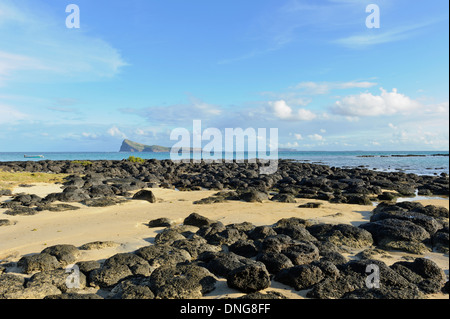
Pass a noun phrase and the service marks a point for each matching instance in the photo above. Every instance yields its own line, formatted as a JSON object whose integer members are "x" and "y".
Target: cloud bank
{"x": 367, "y": 104}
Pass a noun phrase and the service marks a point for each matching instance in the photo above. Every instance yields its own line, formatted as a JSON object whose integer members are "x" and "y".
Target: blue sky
{"x": 137, "y": 69}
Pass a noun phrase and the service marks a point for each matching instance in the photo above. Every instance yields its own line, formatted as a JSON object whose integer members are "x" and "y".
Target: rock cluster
{"x": 410, "y": 227}
{"x": 189, "y": 259}
{"x": 292, "y": 179}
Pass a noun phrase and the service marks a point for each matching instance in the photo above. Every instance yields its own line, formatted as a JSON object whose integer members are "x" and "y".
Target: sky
{"x": 138, "y": 69}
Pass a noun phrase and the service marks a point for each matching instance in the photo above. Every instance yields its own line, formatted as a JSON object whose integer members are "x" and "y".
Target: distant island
{"x": 130, "y": 146}
{"x": 135, "y": 147}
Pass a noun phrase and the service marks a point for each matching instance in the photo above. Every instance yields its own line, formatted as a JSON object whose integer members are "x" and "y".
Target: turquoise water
{"x": 428, "y": 165}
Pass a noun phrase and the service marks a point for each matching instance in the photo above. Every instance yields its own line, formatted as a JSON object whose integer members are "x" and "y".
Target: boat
{"x": 33, "y": 156}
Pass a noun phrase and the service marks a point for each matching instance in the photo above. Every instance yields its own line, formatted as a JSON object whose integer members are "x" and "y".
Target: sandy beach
{"x": 127, "y": 225}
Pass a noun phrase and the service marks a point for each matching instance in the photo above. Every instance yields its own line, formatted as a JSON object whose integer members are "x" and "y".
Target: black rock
{"x": 295, "y": 232}
{"x": 101, "y": 191}
{"x": 119, "y": 267}
{"x": 328, "y": 268}
{"x": 195, "y": 246}
{"x": 284, "y": 198}
{"x": 275, "y": 262}
{"x": 261, "y": 296}
{"x": 425, "y": 268}
{"x": 6, "y": 222}
{"x": 5, "y": 192}
{"x": 197, "y": 220}
{"x": 21, "y": 211}
{"x": 244, "y": 248}
{"x": 249, "y": 278}
{"x": 66, "y": 254}
{"x": 73, "y": 296}
{"x": 87, "y": 266}
{"x": 254, "y": 196}
{"x": 39, "y": 262}
{"x": 221, "y": 264}
{"x": 300, "y": 277}
{"x": 395, "y": 230}
{"x": 159, "y": 255}
{"x": 434, "y": 211}
{"x": 335, "y": 288}
{"x": 358, "y": 199}
{"x": 57, "y": 278}
{"x": 275, "y": 244}
{"x": 160, "y": 222}
{"x": 181, "y": 282}
{"x": 69, "y": 195}
{"x": 440, "y": 241}
{"x": 445, "y": 288}
{"x": 301, "y": 253}
{"x": 293, "y": 221}
{"x": 145, "y": 195}
{"x": 342, "y": 234}
{"x": 311, "y": 205}
{"x": 228, "y": 236}
{"x": 384, "y": 211}
{"x": 261, "y": 232}
{"x": 384, "y": 293}
{"x": 11, "y": 286}
{"x": 133, "y": 288}
{"x": 388, "y": 196}
{"x": 27, "y": 200}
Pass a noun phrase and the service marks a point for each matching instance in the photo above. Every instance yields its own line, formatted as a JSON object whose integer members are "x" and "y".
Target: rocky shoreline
{"x": 188, "y": 259}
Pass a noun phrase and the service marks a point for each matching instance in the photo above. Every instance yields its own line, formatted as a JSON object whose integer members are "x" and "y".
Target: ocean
{"x": 421, "y": 163}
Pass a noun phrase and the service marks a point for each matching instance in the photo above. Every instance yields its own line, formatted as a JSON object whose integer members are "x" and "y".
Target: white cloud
{"x": 290, "y": 145}
{"x": 440, "y": 108}
{"x": 298, "y": 137}
{"x": 370, "y": 37}
{"x": 89, "y": 135}
{"x": 281, "y": 110}
{"x": 305, "y": 115}
{"x": 115, "y": 132}
{"x": 284, "y": 112}
{"x": 316, "y": 137}
{"x": 367, "y": 104}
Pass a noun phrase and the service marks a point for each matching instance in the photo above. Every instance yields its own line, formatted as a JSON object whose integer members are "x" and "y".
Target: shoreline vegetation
{"x": 9, "y": 180}
{"x": 154, "y": 229}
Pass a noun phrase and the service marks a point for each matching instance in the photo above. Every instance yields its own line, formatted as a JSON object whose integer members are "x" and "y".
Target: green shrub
{"x": 134, "y": 159}
{"x": 84, "y": 163}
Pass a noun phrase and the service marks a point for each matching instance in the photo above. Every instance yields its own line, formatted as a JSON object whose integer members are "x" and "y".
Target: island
{"x": 130, "y": 146}
{"x": 135, "y": 147}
